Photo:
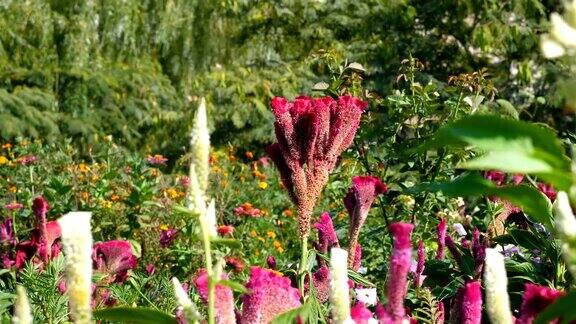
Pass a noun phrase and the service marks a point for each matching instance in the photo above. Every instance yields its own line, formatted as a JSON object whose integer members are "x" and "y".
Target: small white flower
{"x": 22, "y": 313}
{"x": 459, "y": 228}
{"x": 339, "y": 295}
{"x": 367, "y": 296}
{"x": 190, "y": 311}
{"x": 496, "y": 283}
{"x": 77, "y": 244}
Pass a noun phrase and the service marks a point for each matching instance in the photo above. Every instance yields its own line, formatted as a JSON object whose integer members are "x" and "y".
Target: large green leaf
{"x": 529, "y": 199}
{"x": 508, "y": 145}
{"x": 138, "y": 315}
{"x": 563, "y": 307}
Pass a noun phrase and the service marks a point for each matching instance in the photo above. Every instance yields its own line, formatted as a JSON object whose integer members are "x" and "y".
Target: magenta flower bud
{"x": 327, "y": 238}
{"x": 150, "y": 269}
{"x": 114, "y": 259}
{"x": 224, "y": 299}
{"x": 517, "y": 178}
{"x": 271, "y": 262}
{"x": 535, "y": 300}
{"x": 548, "y": 190}
{"x": 498, "y": 177}
{"x": 441, "y": 239}
{"x": 471, "y": 308}
{"x": 270, "y": 295}
{"x": 61, "y": 287}
{"x": 40, "y": 208}
{"x": 418, "y": 278}
{"x": 167, "y": 237}
{"x": 360, "y": 314}
{"x": 398, "y": 270}
{"x": 358, "y": 201}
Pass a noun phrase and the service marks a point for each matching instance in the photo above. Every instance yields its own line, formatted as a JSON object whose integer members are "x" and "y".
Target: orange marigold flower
{"x": 85, "y": 195}
{"x": 115, "y": 198}
{"x": 288, "y": 213}
{"x": 249, "y": 155}
{"x": 252, "y": 233}
{"x": 271, "y": 234}
{"x": 83, "y": 168}
{"x": 7, "y": 146}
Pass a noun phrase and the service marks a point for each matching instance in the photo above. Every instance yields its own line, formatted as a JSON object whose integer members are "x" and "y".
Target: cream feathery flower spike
{"x": 190, "y": 311}
{"x": 496, "y": 284}
{"x": 339, "y": 295}
{"x": 22, "y": 312}
{"x": 565, "y": 224}
{"x": 200, "y": 146}
{"x": 77, "y": 243}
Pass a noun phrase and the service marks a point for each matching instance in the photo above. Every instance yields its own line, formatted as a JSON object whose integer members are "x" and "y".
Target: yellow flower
{"x": 12, "y": 189}
{"x": 3, "y": 160}
{"x": 172, "y": 193}
{"x": 261, "y": 238}
{"x": 271, "y": 234}
{"x": 278, "y": 246}
{"x": 85, "y": 195}
{"x": 163, "y": 227}
{"x": 262, "y": 185}
{"x": 253, "y": 233}
{"x": 95, "y": 178}
{"x": 83, "y": 168}
{"x": 107, "y": 204}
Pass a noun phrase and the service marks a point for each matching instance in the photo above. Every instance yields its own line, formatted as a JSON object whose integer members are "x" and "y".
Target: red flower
{"x": 225, "y": 229}
{"x": 498, "y": 177}
{"x": 247, "y": 209}
{"x": 548, "y": 190}
{"x": 113, "y": 258}
{"x": 536, "y": 299}
{"x": 236, "y": 264}
{"x": 326, "y": 234}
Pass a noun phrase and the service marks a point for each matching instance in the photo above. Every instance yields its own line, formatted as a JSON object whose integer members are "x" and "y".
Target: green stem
{"x": 302, "y": 268}
{"x": 211, "y": 281}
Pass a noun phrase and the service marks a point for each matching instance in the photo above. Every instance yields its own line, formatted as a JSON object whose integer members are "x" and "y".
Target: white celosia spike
{"x": 550, "y": 48}
{"x": 339, "y": 294}
{"x": 196, "y": 201}
{"x": 496, "y": 284}
{"x": 77, "y": 244}
{"x": 190, "y": 311}
{"x": 565, "y": 224}
{"x": 562, "y": 31}
{"x": 22, "y": 312}
{"x": 200, "y": 146}
{"x": 208, "y": 220}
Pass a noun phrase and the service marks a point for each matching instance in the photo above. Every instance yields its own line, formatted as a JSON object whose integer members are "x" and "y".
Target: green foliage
{"x": 139, "y": 315}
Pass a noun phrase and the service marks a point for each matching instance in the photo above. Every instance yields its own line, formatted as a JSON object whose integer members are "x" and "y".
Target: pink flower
{"x": 150, "y": 269}
{"x": 184, "y": 182}
{"x": 418, "y": 277}
{"x": 398, "y": 270}
{"x": 236, "y": 264}
{"x": 225, "y": 229}
{"x": 224, "y": 300}
{"x": 548, "y": 190}
{"x": 451, "y": 245}
{"x": 471, "y": 307}
{"x": 61, "y": 287}
{"x": 536, "y": 299}
{"x": 167, "y": 237}
{"x": 360, "y": 314}
{"x": 441, "y": 238}
{"x": 270, "y": 295}
{"x": 311, "y": 134}
{"x": 156, "y": 160}
{"x": 247, "y": 209}
{"x": 40, "y": 208}
{"x": 7, "y": 233}
{"x": 45, "y": 240}
{"x": 113, "y": 258}
{"x": 27, "y": 159}
{"x": 13, "y": 206}
{"x": 271, "y": 262}
{"x": 517, "y": 178}
{"x": 321, "y": 282}
{"x": 358, "y": 201}
{"x": 498, "y": 177}
{"x": 326, "y": 234}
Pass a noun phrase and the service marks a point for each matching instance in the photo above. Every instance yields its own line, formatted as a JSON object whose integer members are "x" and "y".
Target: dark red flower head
{"x": 534, "y": 300}
{"x": 326, "y": 234}
{"x": 113, "y": 258}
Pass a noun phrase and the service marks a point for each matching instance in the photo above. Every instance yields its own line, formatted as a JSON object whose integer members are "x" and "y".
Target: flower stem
{"x": 302, "y": 267}
{"x": 211, "y": 279}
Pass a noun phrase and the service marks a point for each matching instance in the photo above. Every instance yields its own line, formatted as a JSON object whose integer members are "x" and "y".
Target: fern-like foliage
{"x": 428, "y": 311}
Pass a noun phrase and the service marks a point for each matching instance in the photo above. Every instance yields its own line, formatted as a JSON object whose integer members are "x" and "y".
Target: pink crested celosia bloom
{"x": 498, "y": 177}
{"x": 471, "y": 307}
{"x": 167, "y": 237}
{"x": 311, "y": 135}
{"x": 548, "y": 190}
{"x": 358, "y": 201}
{"x": 113, "y": 258}
{"x": 13, "y": 206}
{"x": 321, "y": 282}
{"x": 398, "y": 271}
{"x": 451, "y": 245}
{"x": 535, "y": 299}
{"x": 156, "y": 159}
{"x": 270, "y": 295}
{"x": 46, "y": 240}
{"x": 441, "y": 239}
{"x": 225, "y": 229}
{"x": 224, "y": 299}
{"x": 326, "y": 234}
{"x": 418, "y": 277}
{"x": 360, "y": 314}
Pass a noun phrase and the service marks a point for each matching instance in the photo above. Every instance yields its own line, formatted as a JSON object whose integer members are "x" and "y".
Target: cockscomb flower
{"x": 358, "y": 201}
{"x": 40, "y": 208}
{"x": 271, "y": 262}
{"x": 357, "y": 262}
{"x": 565, "y": 225}
{"x": 441, "y": 239}
{"x": 321, "y": 282}
{"x": 498, "y": 177}
{"x": 189, "y": 311}
{"x": 167, "y": 236}
{"x": 150, "y": 269}
{"x": 200, "y": 146}
{"x": 224, "y": 300}
{"x": 398, "y": 270}
{"x": 311, "y": 134}
{"x": 270, "y": 295}
{"x": 339, "y": 290}
{"x": 451, "y": 245}
{"x": 418, "y": 277}
{"x": 22, "y": 310}
{"x": 478, "y": 251}
{"x": 327, "y": 238}
{"x": 535, "y": 300}
{"x": 496, "y": 283}
{"x": 471, "y": 307}
{"x": 7, "y": 232}
{"x": 362, "y": 315}
{"x": 45, "y": 240}
{"x": 77, "y": 242}
{"x": 114, "y": 258}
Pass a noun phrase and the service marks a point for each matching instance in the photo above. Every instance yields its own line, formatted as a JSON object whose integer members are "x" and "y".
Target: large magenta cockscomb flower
{"x": 326, "y": 234}
{"x": 311, "y": 134}
{"x": 224, "y": 299}
{"x": 471, "y": 307}
{"x": 398, "y": 271}
{"x": 46, "y": 243}
{"x": 534, "y": 300}
{"x": 113, "y": 258}
{"x": 358, "y": 201}
{"x": 270, "y": 295}
{"x": 360, "y": 314}
{"x": 441, "y": 238}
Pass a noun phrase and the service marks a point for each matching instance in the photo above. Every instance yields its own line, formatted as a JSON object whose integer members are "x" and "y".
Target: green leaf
{"x": 562, "y": 307}
{"x": 236, "y": 286}
{"x": 508, "y": 145}
{"x": 292, "y": 315}
{"x": 138, "y": 315}
{"x": 226, "y": 242}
